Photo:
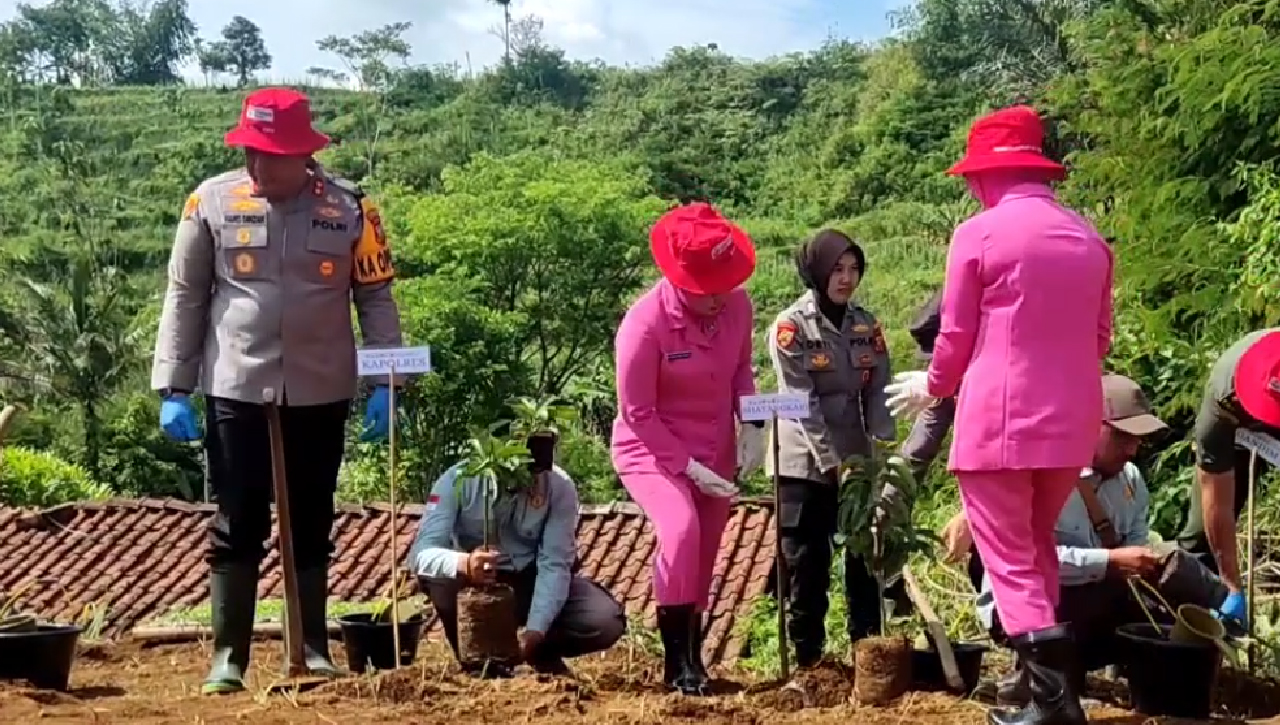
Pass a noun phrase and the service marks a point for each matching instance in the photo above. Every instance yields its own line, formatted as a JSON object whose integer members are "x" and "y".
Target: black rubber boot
{"x": 1047, "y": 657}
{"x": 313, "y": 595}
{"x": 233, "y": 597}
{"x": 1012, "y": 690}
{"x": 695, "y": 646}
{"x": 679, "y": 673}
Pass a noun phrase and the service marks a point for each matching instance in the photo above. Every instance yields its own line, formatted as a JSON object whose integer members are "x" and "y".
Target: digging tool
{"x": 296, "y": 676}
{"x": 391, "y": 493}
{"x": 937, "y": 632}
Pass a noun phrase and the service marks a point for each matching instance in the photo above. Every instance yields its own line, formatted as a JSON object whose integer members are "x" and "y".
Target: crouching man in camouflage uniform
{"x": 265, "y": 265}
{"x": 535, "y": 552}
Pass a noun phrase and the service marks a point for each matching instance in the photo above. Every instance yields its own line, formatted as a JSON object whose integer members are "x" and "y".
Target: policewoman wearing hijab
{"x": 1026, "y": 323}
{"x": 829, "y": 348}
{"x": 683, "y": 360}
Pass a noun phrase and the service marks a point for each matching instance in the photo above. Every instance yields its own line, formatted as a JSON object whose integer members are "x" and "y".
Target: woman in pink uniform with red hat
{"x": 1026, "y": 323}
{"x": 683, "y": 360}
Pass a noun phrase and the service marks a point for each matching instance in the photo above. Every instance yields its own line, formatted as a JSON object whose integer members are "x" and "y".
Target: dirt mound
{"x": 161, "y": 686}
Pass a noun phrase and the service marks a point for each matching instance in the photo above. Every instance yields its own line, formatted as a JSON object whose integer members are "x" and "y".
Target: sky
{"x": 635, "y": 32}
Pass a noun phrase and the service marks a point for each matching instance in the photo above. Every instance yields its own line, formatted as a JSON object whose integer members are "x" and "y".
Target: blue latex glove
{"x": 377, "y": 415}
{"x": 1234, "y": 607}
{"x": 178, "y": 420}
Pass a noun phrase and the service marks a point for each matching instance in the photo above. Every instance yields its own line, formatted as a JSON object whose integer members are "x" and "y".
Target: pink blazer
{"x": 1026, "y": 323}
{"x": 678, "y": 387}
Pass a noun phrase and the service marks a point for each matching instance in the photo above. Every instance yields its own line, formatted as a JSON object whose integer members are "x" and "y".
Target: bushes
{"x": 36, "y": 478}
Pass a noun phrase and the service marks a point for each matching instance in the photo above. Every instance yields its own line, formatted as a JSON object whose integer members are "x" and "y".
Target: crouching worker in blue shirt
{"x": 563, "y": 615}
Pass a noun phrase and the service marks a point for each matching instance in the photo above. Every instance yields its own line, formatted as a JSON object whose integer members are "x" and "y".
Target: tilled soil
{"x": 130, "y": 684}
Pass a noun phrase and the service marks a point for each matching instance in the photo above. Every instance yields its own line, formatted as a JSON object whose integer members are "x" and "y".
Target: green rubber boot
{"x": 233, "y": 596}
{"x": 313, "y": 594}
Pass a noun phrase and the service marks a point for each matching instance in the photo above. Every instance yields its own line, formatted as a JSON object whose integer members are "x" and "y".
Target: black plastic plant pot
{"x": 371, "y": 645}
{"x": 927, "y": 674}
{"x": 42, "y": 656}
{"x": 1167, "y": 678}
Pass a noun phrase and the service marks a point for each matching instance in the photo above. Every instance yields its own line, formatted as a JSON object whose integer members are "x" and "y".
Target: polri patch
{"x": 785, "y": 335}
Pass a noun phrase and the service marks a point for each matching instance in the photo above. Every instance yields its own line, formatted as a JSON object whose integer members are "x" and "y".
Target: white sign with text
{"x": 790, "y": 406}
{"x": 1265, "y": 446}
{"x": 387, "y": 360}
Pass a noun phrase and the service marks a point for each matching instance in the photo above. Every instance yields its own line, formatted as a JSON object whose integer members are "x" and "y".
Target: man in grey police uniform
{"x": 265, "y": 265}
{"x": 834, "y": 351}
{"x": 563, "y": 614}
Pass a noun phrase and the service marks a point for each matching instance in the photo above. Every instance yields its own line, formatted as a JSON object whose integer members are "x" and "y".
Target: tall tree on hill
{"x": 241, "y": 51}
{"x": 506, "y": 27}
{"x": 368, "y": 57}
{"x": 154, "y": 43}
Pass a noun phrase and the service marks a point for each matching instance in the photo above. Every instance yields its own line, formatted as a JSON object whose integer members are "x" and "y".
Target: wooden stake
{"x": 391, "y": 476}
{"x": 784, "y": 658}
{"x": 284, "y": 530}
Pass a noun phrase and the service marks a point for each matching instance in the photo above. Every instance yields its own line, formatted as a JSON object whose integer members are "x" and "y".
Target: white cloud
{"x": 618, "y": 31}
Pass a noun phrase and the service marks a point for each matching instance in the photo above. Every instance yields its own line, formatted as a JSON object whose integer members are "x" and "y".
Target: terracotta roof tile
{"x": 143, "y": 557}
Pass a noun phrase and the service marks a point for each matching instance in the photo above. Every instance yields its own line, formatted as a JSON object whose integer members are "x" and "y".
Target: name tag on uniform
{"x": 249, "y": 219}
{"x": 673, "y": 356}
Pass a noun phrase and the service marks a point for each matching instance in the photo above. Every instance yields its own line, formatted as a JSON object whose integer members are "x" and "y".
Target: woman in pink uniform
{"x": 683, "y": 359}
{"x": 1026, "y": 322}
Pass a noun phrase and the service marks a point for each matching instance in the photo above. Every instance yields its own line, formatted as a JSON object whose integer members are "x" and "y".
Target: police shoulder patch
{"x": 785, "y": 334}
{"x": 191, "y": 206}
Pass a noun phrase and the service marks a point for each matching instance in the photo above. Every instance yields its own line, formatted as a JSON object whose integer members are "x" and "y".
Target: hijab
{"x": 815, "y": 261}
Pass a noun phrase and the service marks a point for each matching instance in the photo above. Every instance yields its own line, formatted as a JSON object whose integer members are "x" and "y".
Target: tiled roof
{"x": 142, "y": 557}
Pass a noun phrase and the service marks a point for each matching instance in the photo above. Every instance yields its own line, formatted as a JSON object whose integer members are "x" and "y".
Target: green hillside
{"x": 517, "y": 202}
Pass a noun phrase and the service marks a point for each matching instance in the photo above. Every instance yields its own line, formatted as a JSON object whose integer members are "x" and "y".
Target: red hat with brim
{"x": 1010, "y": 138}
{"x": 701, "y": 252}
{"x": 277, "y": 121}
{"x": 1257, "y": 383}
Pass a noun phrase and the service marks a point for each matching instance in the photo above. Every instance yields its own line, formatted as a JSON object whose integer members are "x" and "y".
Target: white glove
{"x": 708, "y": 481}
{"x": 909, "y": 394}
{"x": 750, "y": 448}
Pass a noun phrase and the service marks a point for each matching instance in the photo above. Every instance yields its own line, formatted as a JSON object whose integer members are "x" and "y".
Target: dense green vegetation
{"x": 517, "y": 201}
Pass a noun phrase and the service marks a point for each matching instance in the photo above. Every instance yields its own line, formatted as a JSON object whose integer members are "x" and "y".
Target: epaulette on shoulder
{"x": 348, "y": 186}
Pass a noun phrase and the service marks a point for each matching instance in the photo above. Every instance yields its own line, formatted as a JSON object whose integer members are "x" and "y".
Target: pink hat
{"x": 1257, "y": 381}
{"x": 1010, "y": 138}
{"x": 700, "y": 251}
{"x": 277, "y": 121}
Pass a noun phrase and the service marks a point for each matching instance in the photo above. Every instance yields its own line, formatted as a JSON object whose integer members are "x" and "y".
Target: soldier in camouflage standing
{"x": 266, "y": 263}
{"x": 832, "y": 350}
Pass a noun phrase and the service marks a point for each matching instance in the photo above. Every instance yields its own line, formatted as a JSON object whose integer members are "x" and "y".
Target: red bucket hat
{"x": 277, "y": 121}
{"x": 1257, "y": 382}
{"x": 1010, "y": 138}
{"x": 700, "y": 251}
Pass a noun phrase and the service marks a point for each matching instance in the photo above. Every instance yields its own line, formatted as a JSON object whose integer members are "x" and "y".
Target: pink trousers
{"x": 1012, "y": 515}
{"x": 689, "y": 525}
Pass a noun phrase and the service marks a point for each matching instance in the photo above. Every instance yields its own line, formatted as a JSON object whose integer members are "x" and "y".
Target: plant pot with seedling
{"x": 505, "y": 466}
{"x": 40, "y": 653}
{"x": 881, "y": 482}
{"x": 369, "y": 640}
